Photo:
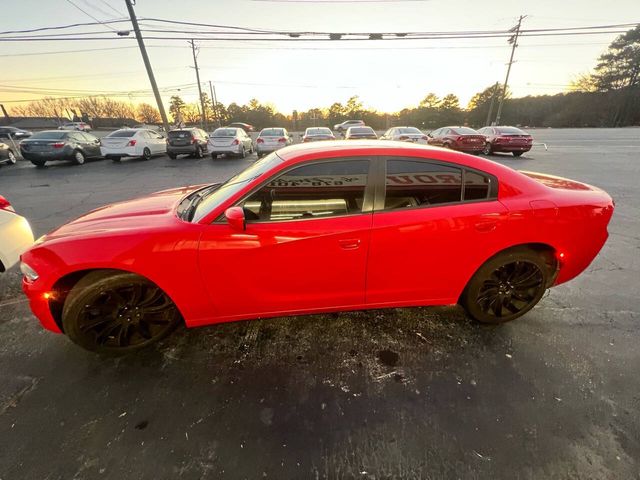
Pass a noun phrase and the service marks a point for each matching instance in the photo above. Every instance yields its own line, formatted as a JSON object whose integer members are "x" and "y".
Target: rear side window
{"x": 476, "y": 186}
{"x": 414, "y": 183}
{"x": 318, "y": 190}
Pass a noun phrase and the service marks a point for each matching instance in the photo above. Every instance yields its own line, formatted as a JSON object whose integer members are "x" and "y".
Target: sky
{"x": 386, "y": 75}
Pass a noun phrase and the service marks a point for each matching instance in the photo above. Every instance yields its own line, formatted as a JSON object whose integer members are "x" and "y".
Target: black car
{"x": 15, "y": 133}
{"x": 190, "y": 141}
{"x": 7, "y": 155}
{"x": 53, "y": 145}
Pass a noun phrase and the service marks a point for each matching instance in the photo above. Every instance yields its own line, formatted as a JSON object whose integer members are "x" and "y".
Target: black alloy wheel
{"x": 507, "y": 286}
{"x": 146, "y": 153}
{"x": 117, "y": 312}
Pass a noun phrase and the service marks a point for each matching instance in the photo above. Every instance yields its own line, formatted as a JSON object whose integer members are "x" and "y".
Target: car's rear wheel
{"x": 78, "y": 157}
{"x": 172, "y": 156}
{"x": 146, "y": 154}
{"x": 116, "y": 159}
{"x": 39, "y": 163}
{"x": 117, "y": 312}
{"x": 487, "y": 149}
{"x": 243, "y": 153}
{"x": 517, "y": 154}
{"x": 198, "y": 153}
{"x": 11, "y": 157}
{"x": 507, "y": 286}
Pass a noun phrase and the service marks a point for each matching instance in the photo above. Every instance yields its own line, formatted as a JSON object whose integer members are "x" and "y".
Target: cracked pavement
{"x": 398, "y": 393}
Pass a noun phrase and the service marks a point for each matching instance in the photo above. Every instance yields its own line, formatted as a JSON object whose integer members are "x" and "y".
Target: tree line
{"x": 608, "y": 96}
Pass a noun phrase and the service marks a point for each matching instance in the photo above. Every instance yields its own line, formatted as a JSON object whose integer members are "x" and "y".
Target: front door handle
{"x": 349, "y": 243}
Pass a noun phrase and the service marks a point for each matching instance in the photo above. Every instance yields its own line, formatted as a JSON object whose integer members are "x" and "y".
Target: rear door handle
{"x": 349, "y": 243}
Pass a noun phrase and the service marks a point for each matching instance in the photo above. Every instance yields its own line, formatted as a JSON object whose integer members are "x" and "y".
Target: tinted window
{"x": 510, "y": 131}
{"x": 411, "y": 183}
{"x": 311, "y": 191}
{"x": 476, "y": 185}
{"x": 122, "y": 133}
{"x": 361, "y": 130}
{"x": 272, "y": 132}
{"x": 180, "y": 134}
{"x": 225, "y": 132}
{"x": 48, "y": 135}
{"x": 318, "y": 131}
{"x": 464, "y": 131}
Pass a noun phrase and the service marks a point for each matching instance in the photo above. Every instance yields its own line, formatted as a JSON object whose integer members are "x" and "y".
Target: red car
{"x": 464, "y": 139}
{"x": 244, "y": 126}
{"x": 506, "y": 139}
{"x": 317, "y": 227}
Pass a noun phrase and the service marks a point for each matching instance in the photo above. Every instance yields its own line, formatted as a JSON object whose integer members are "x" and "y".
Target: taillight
{"x": 459, "y": 139}
{"x": 132, "y": 143}
{"x": 259, "y": 140}
{"x": 236, "y": 142}
{"x": 282, "y": 140}
{"x": 5, "y": 205}
{"x": 57, "y": 145}
{"x": 193, "y": 139}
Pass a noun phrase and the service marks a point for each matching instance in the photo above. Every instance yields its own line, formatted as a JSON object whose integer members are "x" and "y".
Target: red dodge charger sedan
{"x": 313, "y": 228}
{"x": 506, "y": 139}
{"x": 464, "y": 139}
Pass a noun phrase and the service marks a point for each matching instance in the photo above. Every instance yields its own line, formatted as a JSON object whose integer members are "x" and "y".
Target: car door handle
{"x": 349, "y": 243}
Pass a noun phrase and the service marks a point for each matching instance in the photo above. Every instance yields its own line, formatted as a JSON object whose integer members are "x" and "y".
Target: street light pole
{"x": 514, "y": 42}
{"x": 147, "y": 64}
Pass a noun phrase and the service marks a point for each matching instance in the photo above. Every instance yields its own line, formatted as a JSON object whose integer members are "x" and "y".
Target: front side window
{"x": 411, "y": 183}
{"x": 317, "y": 190}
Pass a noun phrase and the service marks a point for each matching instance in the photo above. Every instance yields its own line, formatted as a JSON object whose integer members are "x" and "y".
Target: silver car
{"x": 230, "y": 141}
{"x": 271, "y": 139}
{"x": 405, "y": 134}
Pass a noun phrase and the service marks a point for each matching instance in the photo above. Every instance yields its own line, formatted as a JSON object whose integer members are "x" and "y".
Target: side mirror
{"x": 235, "y": 218}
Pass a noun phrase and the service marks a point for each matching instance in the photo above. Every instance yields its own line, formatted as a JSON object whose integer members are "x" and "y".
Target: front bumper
{"x": 39, "y": 304}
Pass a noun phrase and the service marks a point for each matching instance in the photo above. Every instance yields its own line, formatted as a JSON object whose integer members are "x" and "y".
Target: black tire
{"x": 517, "y": 154}
{"x": 243, "y": 153}
{"x": 507, "y": 286}
{"x": 487, "y": 150}
{"x": 11, "y": 157}
{"x": 198, "y": 153}
{"x": 116, "y": 159}
{"x": 214, "y": 156}
{"x": 39, "y": 163}
{"x": 117, "y": 312}
{"x": 79, "y": 157}
{"x": 172, "y": 156}
{"x": 146, "y": 154}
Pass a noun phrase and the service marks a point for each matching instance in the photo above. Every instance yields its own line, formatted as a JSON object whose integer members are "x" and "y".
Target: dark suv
{"x": 190, "y": 141}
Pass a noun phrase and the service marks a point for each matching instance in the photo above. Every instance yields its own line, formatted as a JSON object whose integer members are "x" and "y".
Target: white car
{"x": 230, "y": 141}
{"x": 271, "y": 139}
{"x": 15, "y": 235}
{"x": 405, "y": 134}
{"x": 344, "y": 126}
{"x": 133, "y": 142}
{"x": 79, "y": 126}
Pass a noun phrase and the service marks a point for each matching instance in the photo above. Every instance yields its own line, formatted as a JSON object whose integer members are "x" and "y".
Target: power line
{"x": 91, "y": 16}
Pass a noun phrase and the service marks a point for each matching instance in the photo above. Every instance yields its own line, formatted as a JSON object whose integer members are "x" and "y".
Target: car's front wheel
{"x": 11, "y": 157}
{"x": 117, "y": 312}
{"x": 507, "y": 286}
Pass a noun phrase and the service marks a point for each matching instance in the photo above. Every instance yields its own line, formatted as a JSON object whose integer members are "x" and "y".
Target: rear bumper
{"x": 108, "y": 152}
{"x": 262, "y": 148}
{"x": 466, "y": 147}
{"x": 510, "y": 148}
{"x": 230, "y": 149}
{"x": 182, "y": 149}
{"x": 48, "y": 156}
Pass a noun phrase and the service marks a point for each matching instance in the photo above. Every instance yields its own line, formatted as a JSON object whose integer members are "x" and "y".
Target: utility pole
{"x": 493, "y": 101}
{"x": 147, "y": 64}
{"x": 514, "y": 43}
{"x": 195, "y": 65}
{"x": 215, "y": 102}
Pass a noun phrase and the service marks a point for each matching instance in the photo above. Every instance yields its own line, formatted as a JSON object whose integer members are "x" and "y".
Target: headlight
{"x": 29, "y": 273}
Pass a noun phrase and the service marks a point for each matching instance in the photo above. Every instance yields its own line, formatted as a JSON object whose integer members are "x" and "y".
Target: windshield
{"x": 122, "y": 133}
{"x": 234, "y": 185}
{"x": 318, "y": 131}
{"x": 272, "y": 132}
{"x": 464, "y": 131}
{"x": 511, "y": 131}
{"x": 409, "y": 130}
{"x": 225, "y": 132}
{"x": 49, "y": 135}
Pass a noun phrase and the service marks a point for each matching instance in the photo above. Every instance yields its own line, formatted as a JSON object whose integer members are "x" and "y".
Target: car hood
{"x": 150, "y": 212}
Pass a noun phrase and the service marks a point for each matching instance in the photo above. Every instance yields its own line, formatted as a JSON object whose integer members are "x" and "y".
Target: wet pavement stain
{"x": 388, "y": 358}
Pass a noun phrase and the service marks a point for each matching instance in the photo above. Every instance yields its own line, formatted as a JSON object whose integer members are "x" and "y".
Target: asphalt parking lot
{"x": 401, "y": 393}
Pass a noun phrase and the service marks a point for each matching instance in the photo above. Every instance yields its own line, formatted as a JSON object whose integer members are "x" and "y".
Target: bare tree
{"x": 147, "y": 113}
